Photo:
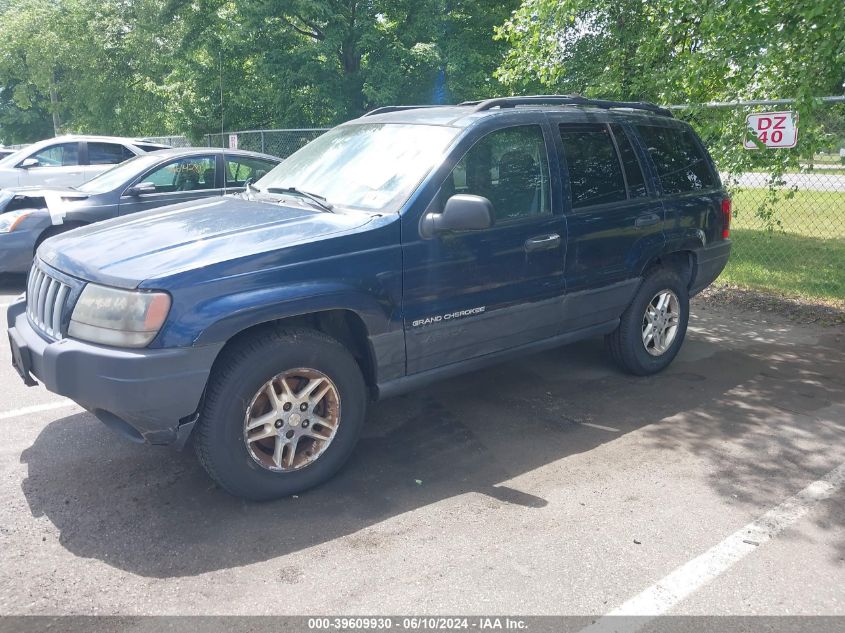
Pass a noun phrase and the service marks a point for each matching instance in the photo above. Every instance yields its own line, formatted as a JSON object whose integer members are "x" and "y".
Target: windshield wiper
{"x": 313, "y": 197}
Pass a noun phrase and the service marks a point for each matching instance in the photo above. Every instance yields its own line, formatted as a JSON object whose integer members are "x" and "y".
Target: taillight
{"x": 726, "y": 218}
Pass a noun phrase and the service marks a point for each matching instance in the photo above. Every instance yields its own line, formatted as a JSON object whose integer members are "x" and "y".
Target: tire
{"x": 629, "y": 344}
{"x": 237, "y": 397}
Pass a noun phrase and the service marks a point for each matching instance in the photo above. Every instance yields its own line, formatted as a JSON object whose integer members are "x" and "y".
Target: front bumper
{"x": 150, "y": 395}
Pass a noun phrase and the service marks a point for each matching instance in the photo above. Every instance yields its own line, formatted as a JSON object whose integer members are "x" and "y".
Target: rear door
{"x": 179, "y": 180}
{"x": 471, "y": 293}
{"x": 101, "y": 155}
{"x": 615, "y": 220}
{"x": 614, "y": 217}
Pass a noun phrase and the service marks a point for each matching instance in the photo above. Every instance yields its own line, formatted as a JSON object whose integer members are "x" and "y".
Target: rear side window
{"x": 107, "y": 153}
{"x": 633, "y": 170}
{"x": 680, "y": 162}
{"x": 239, "y": 170}
{"x": 595, "y": 175}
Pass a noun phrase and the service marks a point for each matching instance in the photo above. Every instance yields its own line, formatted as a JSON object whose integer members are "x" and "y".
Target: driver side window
{"x": 185, "y": 174}
{"x": 510, "y": 168}
{"x": 62, "y": 155}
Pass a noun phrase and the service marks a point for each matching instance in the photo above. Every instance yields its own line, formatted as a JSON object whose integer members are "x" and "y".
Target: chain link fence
{"x": 281, "y": 143}
{"x": 789, "y": 203}
{"x": 172, "y": 141}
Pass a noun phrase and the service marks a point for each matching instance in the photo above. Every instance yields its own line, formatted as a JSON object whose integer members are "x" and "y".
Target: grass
{"x": 803, "y": 257}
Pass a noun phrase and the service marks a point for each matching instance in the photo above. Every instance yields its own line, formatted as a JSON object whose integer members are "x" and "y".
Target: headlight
{"x": 9, "y": 221}
{"x": 123, "y": 318}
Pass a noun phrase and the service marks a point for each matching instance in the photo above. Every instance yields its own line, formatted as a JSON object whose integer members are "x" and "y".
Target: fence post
{"x": 262, "y": 142}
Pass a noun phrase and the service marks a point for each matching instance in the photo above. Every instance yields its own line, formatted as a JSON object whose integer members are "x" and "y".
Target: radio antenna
{"x": 222, "y": 128}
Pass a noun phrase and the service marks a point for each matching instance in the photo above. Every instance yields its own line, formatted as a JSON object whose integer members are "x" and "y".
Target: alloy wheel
{"x": 292, "y": 419}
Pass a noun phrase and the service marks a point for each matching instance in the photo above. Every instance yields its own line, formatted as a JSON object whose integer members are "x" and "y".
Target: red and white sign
{"x": 233, "y": 141}
{"x": 772, "y": 129}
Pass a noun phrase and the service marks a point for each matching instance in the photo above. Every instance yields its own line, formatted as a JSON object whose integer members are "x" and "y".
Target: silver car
{"x": 67, "y": 161}
{"x": 28, "y": 216}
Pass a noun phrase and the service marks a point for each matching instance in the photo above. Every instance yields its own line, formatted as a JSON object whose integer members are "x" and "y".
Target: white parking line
{"x": 599, "y": 427}
{"x": 691, "y": 576}
{"x": 5, "y": 415}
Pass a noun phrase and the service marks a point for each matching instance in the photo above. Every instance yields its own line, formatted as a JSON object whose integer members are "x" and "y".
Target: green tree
{"x": 93, "y": 66}
{"x": 688, "y": 52}
{"x": 677, "y": 50}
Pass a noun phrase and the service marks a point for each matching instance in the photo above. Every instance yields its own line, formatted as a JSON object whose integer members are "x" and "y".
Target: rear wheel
{"x": 652, "y": 329}
{"x": 282, "y": 413}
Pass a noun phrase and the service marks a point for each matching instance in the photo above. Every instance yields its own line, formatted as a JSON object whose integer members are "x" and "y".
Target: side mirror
{"x": 26, "y": 163}
{"x": 140, "y": 189}
{"x": 463, "y": 212}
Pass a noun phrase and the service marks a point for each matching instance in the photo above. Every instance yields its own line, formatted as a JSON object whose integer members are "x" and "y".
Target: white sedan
{"x": 68, "y": 160}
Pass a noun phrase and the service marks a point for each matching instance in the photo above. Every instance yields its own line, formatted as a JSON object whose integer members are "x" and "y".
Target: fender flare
{"x": 691, "y": 241}
{"x": 255, "y": 307}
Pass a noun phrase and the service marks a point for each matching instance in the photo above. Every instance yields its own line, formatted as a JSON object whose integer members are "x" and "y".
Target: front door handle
{"x": 542, "y": 242}
{"x": 648, "y": 219}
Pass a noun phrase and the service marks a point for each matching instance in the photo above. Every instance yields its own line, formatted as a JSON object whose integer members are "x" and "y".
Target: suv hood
{"x": 127, "y": 251}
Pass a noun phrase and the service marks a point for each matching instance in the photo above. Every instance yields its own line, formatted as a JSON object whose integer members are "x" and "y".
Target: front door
{"x": 58, "y": 166}
{"x": 471, "y": 293}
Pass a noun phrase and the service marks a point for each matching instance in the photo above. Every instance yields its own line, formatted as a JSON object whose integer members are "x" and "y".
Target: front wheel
{"x": 282, "y": 413}
{"x": 652, "y": 329}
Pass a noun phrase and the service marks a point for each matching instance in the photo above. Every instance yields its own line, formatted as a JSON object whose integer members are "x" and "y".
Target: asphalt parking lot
{"x": 548, "y": 485}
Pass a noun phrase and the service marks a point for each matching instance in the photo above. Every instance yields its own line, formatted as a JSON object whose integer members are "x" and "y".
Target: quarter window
{"x": 186, "y": 174}
{"x": 595, "y": 175}
{"x": 150, "y": 148}
{"x": 678, "y": 159}
{"x": 510, "y": 168}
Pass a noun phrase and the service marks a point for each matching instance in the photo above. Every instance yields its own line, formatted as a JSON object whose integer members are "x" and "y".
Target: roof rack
{"x": 397, "y": 108}
{"x": 510, "y": 102}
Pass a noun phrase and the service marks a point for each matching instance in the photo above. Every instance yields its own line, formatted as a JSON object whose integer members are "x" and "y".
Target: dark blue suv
{"x": 406, "y": 246}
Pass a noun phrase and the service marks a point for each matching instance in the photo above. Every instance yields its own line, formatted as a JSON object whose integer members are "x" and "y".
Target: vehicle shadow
{"x": 154, "y": 512}
{"x": 777, "y": 432}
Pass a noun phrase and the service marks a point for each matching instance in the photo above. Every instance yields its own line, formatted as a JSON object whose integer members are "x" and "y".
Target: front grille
{"x": 45, "y": 302}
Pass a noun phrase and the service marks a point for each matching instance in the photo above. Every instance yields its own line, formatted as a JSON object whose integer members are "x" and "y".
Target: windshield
{"x": 119, "y": 174}
{"x": 374, "y": 167}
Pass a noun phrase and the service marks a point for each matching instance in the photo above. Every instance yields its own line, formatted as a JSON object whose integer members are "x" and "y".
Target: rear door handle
{"x": 542, "y": 242}
{"x": 647, "y": 220}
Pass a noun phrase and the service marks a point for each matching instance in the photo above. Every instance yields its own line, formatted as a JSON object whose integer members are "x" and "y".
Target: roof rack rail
{"x": 510, "y": 102}
{"x": 397, "y": 108}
